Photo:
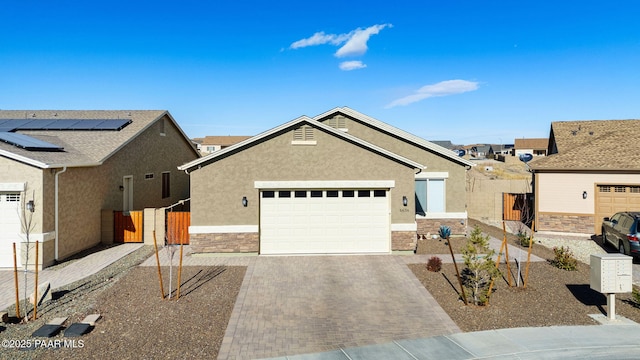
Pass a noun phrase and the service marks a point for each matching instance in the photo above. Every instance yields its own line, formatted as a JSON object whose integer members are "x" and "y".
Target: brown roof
{"x": 535, "y": 144}
{"x": 81, "y": 148}
{"x": 593, "y": 145}
{"x": 223, "y": 140}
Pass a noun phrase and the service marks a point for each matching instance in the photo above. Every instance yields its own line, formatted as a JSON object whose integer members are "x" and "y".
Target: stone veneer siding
{"x": 403, "y": 240}
{"x": 225, "y": 243}
{"x": 432, "y": 226}
{"x": 583, "y": 224}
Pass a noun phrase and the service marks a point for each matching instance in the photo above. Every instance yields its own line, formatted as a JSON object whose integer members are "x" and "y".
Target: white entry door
{"x": 324, "y": 221}
{"x": 9, "y": 227}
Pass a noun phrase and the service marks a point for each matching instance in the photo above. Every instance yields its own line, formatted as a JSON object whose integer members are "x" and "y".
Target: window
{"x": 634, "y": 189}
{"x": 347, "y": 193}
{"x": 13, "y": 197}
{"x": 429, "y": 196}
{"x": 316, "y": 193}
{"x": 166, "y": 185}
{"x": 379, "y": 193}
{"x": 364, "y": 193}
{"x": 284, "y": 194}
{"x": 268, "y": 194}
{"x": 604, "y": 188}
{"x": 148, "y": 176}
{"x": 620, "y": 189}
{"x": 332, "y": 193}
{"x": 300, "y": 194}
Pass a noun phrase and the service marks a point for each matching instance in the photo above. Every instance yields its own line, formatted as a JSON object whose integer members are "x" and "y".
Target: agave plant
{"x": 444, "y": 231}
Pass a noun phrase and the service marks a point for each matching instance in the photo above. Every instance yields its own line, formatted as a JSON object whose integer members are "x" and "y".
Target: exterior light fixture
{"x": 584, "y": 194}
{"x": 405, "y": 201}
{"x": 245, "y": 202}
{"x": 31, "y": 206}
{"x": 121, "y": 188}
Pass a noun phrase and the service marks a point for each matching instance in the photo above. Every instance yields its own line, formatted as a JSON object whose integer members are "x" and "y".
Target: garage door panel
{"x": 10, "y": 228}
{"x": 615, "y": 198}
{"x": 324, "y": 224}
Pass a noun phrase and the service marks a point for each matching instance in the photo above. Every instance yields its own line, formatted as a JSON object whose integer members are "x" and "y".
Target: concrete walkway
{"x": 557, "y": 342}
{"x": 60, "y": 276}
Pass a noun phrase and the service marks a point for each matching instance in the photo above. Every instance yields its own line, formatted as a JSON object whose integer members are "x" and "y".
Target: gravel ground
{"x": 552, "y": 296}
{"x": 136, "y": 322}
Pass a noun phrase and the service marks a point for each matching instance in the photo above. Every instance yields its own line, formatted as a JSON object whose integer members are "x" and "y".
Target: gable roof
{"x": 80, "y": 147}
{"x": 408, "y": 137}
{"x": 286, "y": 127}
{"x": 595, "y": 145}
{"x": 533, "y": 143}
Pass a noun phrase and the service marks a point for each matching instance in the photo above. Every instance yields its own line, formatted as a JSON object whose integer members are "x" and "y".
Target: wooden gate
{"x": 178, "y": 227}
{"x": 127, "y": 226}
{"x": 513, "y": 207}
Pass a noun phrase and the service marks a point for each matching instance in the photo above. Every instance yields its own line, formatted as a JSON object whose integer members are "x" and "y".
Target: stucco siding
{"x": 562, "y": 192}
{"x": 456, "y": 181}
{"x": 218, "y": 188}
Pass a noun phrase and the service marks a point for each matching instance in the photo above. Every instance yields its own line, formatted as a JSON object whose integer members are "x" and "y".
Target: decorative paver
{"x": 303, "y": 304}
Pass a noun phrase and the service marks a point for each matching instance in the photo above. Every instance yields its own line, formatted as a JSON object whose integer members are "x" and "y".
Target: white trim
{"x": 433, "y": 175}
{"x": 304, "y": 142}
{"x": 326, "y": 184}
{"x": 404, "y": 227}
{"x": 13, "y": 187}
{"x": 223, "y": 229}
{"x": 448, "y": 215}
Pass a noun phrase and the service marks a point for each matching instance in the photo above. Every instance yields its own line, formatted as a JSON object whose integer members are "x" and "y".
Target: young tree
{"x": 480, "y": 267}
{"x": 26, "y": 224}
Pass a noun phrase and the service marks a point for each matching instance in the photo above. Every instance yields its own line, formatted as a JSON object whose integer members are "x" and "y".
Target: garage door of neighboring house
{"x": 614, "y": 198}
{"x": 9, "y": 227}
{"x": 324, "y": 221}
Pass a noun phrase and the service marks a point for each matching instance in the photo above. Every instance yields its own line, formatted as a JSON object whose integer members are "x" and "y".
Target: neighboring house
{"x": 592, "y": 171}
{"x": 445, "y": 144}
{"x": 500, "y": 149}
{"x": 479, "y": 151}
{"x": 341, "y": 182}
{"x": 74, "y": 165}
{"x": 209, "y": 144}
{"x": 535, "y": 147}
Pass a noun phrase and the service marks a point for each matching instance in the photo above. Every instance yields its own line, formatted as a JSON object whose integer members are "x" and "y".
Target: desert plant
{"x": 635, "y": 295}
{"x": 434, "y": 264}
{"x": 523, "y": 239}
{"x": 564, "y": 259}
{"x": 480, "y": 267}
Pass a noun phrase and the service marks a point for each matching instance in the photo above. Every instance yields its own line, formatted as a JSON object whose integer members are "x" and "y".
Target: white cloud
{"x": 443, "y": 88}
{"x": 352, "y": 65}
{"x": 356, "y": 44}
{"x": 355, "y": 41}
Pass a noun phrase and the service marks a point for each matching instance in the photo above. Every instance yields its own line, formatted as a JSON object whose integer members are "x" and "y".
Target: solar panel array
{"x": 8, "y": 126}
{"x": 63, "y": 124}
{"x": 28, "y": 142}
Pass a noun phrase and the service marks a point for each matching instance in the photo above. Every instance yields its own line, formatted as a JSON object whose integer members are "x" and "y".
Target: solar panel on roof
{"x": 112, "y": 124}
{"x": 63, "y": 124}
{"x": 28, "y": 142}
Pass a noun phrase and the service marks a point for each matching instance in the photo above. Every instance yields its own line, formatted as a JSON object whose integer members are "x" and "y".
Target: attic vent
{"x": 338, "y": 122}
{"x": 303, "y": 135}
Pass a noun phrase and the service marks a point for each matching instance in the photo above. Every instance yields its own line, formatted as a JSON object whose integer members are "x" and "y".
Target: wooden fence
{"x": 178, "y": 227}
{"x": 127, "y": 226}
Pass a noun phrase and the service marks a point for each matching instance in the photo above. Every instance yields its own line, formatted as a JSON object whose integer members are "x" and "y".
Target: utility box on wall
{"x": 611, "y": 273}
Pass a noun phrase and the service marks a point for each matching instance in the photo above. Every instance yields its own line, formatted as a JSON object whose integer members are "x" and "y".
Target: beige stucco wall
{"x": 562, "y": 193}
{"x": 217, "y": 188}
{"x": 455, "y": 183}
{"x": 485, "y": 196}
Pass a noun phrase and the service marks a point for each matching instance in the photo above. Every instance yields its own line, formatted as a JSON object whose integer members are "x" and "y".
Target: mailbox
{"x": 611, "y": 273}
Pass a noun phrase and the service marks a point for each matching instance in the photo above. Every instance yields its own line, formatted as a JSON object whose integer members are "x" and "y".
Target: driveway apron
{"x": 303, "y": 304}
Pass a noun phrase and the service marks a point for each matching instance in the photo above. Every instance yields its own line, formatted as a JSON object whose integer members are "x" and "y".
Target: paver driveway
{"x": 303, "y": 304}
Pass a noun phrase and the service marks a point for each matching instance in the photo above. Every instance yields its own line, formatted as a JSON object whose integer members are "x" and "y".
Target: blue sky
{"x": 466, "y": 71}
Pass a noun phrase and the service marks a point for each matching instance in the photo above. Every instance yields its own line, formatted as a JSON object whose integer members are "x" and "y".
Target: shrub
{"x": 523, "y": 239}
{"x": 635, "y": 294}
{"x": 480, "y": 267}
{"x": 564, "y": 259}
{"x": 434, "y": 264}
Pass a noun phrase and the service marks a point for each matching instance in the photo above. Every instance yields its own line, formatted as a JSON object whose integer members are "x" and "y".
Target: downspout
{"x": 64, "y": 168}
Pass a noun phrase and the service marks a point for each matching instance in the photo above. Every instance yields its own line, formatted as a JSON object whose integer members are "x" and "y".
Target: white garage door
{"x": 324, "y": 221}
{"x": 9, "y": 227}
